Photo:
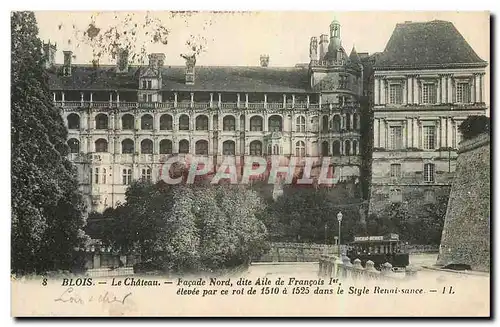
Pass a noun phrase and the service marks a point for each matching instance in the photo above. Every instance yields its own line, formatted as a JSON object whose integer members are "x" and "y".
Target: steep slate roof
{"x": 435, "y": 44}
{"x": 207, "y": 78}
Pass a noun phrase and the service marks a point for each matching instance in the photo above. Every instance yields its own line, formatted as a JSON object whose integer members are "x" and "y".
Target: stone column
{"x": 444, "y": 88}
{"x": 192, "y": 99}
{"x": 409, "y": 90}
{"x": 477, "y": 88}
{"x": 211, "y": 100}
{"x": 404, "y": 90}
{"x": 175, "y": 104}
{"x": 382, "y": 134}
{"x": 54, "y": 96}
{"x": 307, "y": 105}
{"x": 352, "y": 121}
{"x": 111, "y": 118}
{"x": 376, "y": 132}
{"x": 246, "y": 100}
{"x": 415, "y": 91}
{"x": 284, "y": 100}
{"x": 409, "y": 132}
{"x": 415, "y": 134}
{"x": 449, "y": 132}
{"x": 442, "y": 127}
{"x": 377, "y": 91}
{"x": 482, "y": 96}
{"x": 62, "y": 97}
{"x": 265, "y": 125}
{"x": 293, "y": 100}
{"x": 117, "y": 98}
{"x": 450, "y": 90}
{"x": 110, "y": 98}
{"x": 438, "y": 91}
{"x": 265, "y": 100}
{"x": 472, "y": 89}
{"x": 81, "y": 98}
{"x": 219, "y": 104}
{"x": 382, "y": 91}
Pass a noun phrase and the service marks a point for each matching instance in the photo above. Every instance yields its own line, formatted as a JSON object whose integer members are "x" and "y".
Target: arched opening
{"x": 256, "y": 124}
{"x": 127, "y": 146}
{"x": 101, "y": 121}
{"x": 166, "y": 122}
{"x": 324, "y": 124}
{"x": 229, "y": 123}
{"x": 147, "y": 122}
{"x": 74, "y": 146}
{"x": 347, "y": 147}
{"x": 336, "y": 123}
{"x": 201, "y": 147}
{"x": 73, "y": 121}
{"x": 147, "y": 146}
{"x": 300, "y": 124}
{"x": 228, "y": 148}
{"x": 324, "y": 148}
{"x": 101, "y": 145}
{"x": 128, "y": 122}
{"x": 202, "y": 123}
{"x": 184, "y": 123}
{"x": 165, "y": 147}
{"x": 184, "y": 146}
{"x": 336, "y": 148}
{"x": 300, "y": 149}
{"x": 275, "y": 123}
{"x": 256, "y": 148}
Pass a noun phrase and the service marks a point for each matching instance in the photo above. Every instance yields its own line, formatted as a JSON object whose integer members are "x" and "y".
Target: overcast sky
{"x": 240, "y": 38}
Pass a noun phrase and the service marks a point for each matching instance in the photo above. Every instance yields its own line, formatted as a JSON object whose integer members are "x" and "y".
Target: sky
{"x": 240, "y": 38}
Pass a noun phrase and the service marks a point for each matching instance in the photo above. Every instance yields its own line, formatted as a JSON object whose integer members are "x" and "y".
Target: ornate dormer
{"x": 190, "y": 65}
{"x": 150, "y": 80}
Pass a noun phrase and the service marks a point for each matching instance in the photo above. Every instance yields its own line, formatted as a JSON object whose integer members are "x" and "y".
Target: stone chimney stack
{"x": 122, "y": 61}
{"x": 264, "y": 60}
{"x": 313, "y": 49}
{"x": 156, "y": 60}
{"x": 68, "y": 56}
{"x": 190, "y": 68}
{"x": 323, "y": 46}
{"x": 49, "y": 53}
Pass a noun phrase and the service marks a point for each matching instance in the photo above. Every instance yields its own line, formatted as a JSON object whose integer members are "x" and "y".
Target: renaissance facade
{"x": 124, "y": 121}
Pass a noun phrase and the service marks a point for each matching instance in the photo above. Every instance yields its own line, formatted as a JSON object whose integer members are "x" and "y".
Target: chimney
{"x": 122, "y": 61}
{"x": 67, "y": 62}
{"x": 264, "y": 60}
{"x": 49, "y": 54}
{"x": 190, "y": 65}
{"x": 313, "y": 49}
{"x": 323, "y": 46}
{"x": 156, "y": 60}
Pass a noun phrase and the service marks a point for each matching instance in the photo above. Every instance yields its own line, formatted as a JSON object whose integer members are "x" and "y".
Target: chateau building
{"x": 124, "y": 121}
{"x": 426, "y": 82}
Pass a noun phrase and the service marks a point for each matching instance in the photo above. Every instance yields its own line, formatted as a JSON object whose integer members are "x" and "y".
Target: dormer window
{"x": 144, "y": 84}
{"x": 149, "y": 85}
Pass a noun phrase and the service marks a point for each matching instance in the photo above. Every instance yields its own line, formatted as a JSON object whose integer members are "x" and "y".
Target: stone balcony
{"x": 83, "y": 105}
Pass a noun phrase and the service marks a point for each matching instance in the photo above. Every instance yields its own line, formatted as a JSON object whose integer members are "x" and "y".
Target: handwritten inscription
{"x": 71, "y": 296}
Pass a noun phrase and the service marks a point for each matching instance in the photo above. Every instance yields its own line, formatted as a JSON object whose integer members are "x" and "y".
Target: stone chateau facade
{"x": 124, "y": 121}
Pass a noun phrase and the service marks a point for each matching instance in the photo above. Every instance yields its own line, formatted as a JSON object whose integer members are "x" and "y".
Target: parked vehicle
{"x": 379, "y": 249}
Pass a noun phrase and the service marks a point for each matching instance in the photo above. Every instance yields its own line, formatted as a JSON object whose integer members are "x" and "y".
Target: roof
{"x": 207, "y": 78}
{"x": 435, "y": 44}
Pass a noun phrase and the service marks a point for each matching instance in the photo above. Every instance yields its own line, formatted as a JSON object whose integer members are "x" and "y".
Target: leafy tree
{"x": 189, "y": 227}
{"x": 474, "y": 125}
{"x": 47, "y": 209}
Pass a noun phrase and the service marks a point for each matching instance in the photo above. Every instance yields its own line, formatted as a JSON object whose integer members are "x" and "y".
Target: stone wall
{"x": 466, "y": 231}
{"x": 296, "y": 252}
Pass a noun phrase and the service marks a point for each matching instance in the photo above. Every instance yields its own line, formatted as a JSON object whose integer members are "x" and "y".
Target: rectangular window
{"x": 429, "y": 137}
{"x": 127, "y": 176}
{"x": 396, "y": 134}
{"x": 144, "y": 98}
{"x": 395, "y": 170}
{"x": 429, "y": 91}
{"x": 96, "y": 175}
{"x": 429, "y": 173}
{"x": 104, "y": 175}
{"x": 146, "y": 174}
{"x": 143, "y": 84}
{"x": 150, "y": 98}
{"x": 149, "y": 85}
{"x": 395, "y": 94}
{"x": 342, "y": 82}
{"x": 463, "y": 93}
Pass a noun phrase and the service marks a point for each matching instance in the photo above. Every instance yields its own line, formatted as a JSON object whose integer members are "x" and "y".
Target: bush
{"x": 473, "y": 126}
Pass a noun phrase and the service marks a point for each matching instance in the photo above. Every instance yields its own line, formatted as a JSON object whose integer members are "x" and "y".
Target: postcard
{"x": 250, "y": 164}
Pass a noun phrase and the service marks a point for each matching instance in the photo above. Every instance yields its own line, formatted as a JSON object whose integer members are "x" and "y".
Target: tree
{"x": 189, "y": 227}
{"x": 47, "y": 209}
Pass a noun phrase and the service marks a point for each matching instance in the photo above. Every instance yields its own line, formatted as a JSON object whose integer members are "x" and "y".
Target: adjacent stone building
{"x": 426, "y": 82}
{"x": 124, "y": 121}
